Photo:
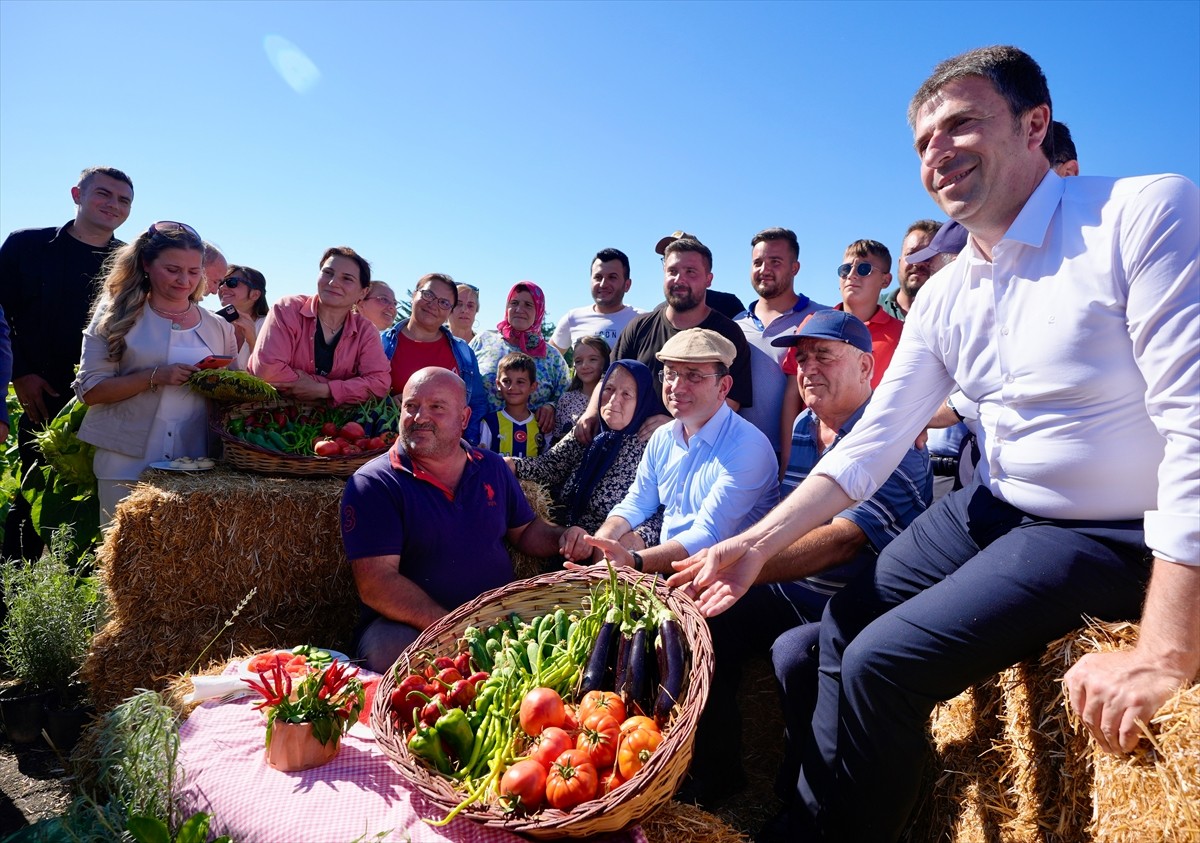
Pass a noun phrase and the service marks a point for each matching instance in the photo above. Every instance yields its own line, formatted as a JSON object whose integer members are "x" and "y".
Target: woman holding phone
{"x": 243, "y": 292}
{"x": 145, "y": 337}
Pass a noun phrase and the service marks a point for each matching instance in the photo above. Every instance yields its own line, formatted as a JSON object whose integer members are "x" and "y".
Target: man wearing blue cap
{"x": 1071, "y": 319}
{"x": 780, "y": 612}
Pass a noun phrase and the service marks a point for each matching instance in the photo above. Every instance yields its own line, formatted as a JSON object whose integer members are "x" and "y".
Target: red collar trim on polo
{"x": 401, "y": 461}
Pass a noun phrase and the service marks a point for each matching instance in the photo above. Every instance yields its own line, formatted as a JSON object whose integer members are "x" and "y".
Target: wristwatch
{"x": 638, "y": 564}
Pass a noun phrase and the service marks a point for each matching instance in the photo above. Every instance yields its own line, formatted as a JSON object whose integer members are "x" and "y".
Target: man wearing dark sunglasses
{"x": 47, "y": 284}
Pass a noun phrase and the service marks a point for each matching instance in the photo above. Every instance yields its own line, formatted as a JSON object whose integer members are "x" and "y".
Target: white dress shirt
{"x": 1080, "y": 343}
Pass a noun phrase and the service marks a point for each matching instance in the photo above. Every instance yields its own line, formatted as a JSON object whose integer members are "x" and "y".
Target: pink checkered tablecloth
{"x": 357, "y": 795}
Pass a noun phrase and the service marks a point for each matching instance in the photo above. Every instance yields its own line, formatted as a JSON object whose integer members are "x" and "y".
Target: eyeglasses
{"x": 862, "y": 269}
{"x": 691, "y": 376}
{"x": 384, "y": 300}
{"x": 169, "y": 227}
{"x": 232, "y": 283}
{"x": 428, "y": 295}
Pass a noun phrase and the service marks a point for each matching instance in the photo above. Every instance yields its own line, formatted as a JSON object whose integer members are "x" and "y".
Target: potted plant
{"x": 45, "y": 637}
{"x": 307, "y": 717}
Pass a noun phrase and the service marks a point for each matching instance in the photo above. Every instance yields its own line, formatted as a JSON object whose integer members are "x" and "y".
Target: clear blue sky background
{"x": 504, "y": 141}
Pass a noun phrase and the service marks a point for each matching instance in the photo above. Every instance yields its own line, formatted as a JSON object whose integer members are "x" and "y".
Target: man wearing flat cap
{"x": 711, "y": 470}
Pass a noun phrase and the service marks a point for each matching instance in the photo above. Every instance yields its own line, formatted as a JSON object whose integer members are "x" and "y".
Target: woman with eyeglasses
{"x": 521, "y": 330}
{"x": 316, "y": 349}
{"x": 378, "y": 305}
{"x": 246, "y": 290}
{"x": 424, "y": 340}
{"x": 462, "y": 317}
{"x": 145, "y": 337}
{"x": 587, "y": 481}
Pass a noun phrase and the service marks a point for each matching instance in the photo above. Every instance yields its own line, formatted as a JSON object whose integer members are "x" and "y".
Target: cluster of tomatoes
{"x": 576, "y": 754}
{"x": 349, "y": 439}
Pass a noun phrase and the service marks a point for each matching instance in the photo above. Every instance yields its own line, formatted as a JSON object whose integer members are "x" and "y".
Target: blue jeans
{"x": 382, "y": 642}
{"x": 971, "y": 587}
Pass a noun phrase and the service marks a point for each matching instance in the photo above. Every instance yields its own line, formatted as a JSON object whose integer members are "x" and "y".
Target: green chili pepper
{"x": 455, "y": 730}
{"x": 427, "y": 744}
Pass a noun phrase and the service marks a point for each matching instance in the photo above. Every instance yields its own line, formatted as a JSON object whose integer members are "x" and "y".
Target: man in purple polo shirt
{"x": 424, "y": 524}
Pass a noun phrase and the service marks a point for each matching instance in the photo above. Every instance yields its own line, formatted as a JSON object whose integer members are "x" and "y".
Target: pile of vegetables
{"x": 323, "y": 431}
{"x": 228, "y": 385}
{"x": 64, "y": 451}
{"x": 556, "y": 710}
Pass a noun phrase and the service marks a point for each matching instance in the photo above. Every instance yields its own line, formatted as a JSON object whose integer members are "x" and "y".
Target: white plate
{"x": 165, "y": 465}
{"x": 245, "y": 672}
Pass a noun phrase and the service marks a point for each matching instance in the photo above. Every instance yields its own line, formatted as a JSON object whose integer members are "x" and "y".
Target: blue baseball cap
{"x": 950, "y": 239}
{"x": 829, "y": 325}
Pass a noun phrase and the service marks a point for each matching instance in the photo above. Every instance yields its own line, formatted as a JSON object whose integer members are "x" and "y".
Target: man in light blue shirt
{"x": 713, "y": 472}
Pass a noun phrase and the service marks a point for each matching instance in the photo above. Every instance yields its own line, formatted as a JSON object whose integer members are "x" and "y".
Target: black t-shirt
{"x": 48, "y": 281}
{"x": 726, "y": 304}
{"x": 647, "y": 334}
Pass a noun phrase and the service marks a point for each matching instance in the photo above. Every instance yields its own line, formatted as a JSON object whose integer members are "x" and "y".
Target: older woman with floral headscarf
{"x": 521, "y": 330}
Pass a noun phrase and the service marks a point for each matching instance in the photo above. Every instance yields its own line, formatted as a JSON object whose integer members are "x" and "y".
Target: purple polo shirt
{"x": 450, "y": 542}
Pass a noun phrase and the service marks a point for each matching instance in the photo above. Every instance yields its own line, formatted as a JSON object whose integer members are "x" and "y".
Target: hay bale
{"x": 188, "y": 543}
{"x": 1012, "y": 763}
{"x": 676, "y": 821}
{"x": 525, "y": 566}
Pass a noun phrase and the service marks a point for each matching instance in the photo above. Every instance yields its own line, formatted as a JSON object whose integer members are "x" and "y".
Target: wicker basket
{"x": 653, "y": 786}
{"x": 241, "y": 454}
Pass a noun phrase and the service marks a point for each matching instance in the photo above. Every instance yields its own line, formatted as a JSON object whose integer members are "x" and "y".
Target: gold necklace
{"x": 173, "y": 317}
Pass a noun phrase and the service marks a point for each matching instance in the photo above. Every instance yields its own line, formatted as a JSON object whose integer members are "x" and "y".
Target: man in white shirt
{"x": 608, "y": 314}
{"x": 779, "y": 310}
{"x": 1073, "y": 319}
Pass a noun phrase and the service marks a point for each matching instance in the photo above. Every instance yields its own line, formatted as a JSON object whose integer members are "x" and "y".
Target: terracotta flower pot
{"x": 292, "y": 747}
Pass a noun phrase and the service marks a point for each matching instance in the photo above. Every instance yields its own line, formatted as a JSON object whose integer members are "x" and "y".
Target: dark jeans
{"x": 970, "y": 588}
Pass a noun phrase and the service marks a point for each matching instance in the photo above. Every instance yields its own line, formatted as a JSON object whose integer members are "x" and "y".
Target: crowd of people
{"x": 895, "y": 497}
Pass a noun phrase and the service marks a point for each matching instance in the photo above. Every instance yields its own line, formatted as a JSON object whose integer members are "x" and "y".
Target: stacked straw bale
{"x": 1012, "y": 763}
{"x": 183, "y": 555}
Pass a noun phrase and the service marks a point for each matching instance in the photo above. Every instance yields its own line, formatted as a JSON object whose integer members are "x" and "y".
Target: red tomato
{"x": 573, "y": 779}
{"x": 351, "y": 431}
{"x": 523, "y": 786}
{"x": 570, "y": 718}
{"x": 541, "y": 707}
{"x": 639, "y": 722}
{"x": 376, "y": 443}
{"x": 606, "y": 701}
{"x": 329, "y": 429}
{"x": 327, "y": 448}
{"x": 550, "y": 744}
{"x": 610, "y": 780}
{"x": 297, "y": 666}
{"x": 388, "y": 437}
{"x": 599, "y": 739}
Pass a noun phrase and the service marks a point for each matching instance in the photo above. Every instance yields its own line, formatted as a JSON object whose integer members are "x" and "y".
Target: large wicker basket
{"x": 653, "y": 786}
{"x": 242, "y": 454}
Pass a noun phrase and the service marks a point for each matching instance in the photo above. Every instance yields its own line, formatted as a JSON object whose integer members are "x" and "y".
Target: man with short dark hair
{"x": 1064, "y": 160}
{"x": 687, "y": 274}
{"x": 912, "y": 274}
{"x": 1071, "y": 319}
{"x": 726, "y": 304}
{"x": 608, "y": 314}
{"x": 48, "y": 279}
{"x": 779, "y": 309}
{"x": 424, "y": 524}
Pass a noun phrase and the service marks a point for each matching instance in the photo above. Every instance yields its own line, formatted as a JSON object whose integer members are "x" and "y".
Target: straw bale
{"x": 676, "y": 821}
{"x": 525, "y": 566}
{"x": 184, "y": 544}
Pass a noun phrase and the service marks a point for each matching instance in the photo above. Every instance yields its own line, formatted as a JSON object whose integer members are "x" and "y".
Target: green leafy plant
{"x": 51, "y": 617}
{"x": 153, "y": 830}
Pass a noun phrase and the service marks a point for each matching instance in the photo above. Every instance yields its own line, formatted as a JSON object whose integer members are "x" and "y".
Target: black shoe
{"x": 710, "y": 793}
{"x": 782, "y": 828}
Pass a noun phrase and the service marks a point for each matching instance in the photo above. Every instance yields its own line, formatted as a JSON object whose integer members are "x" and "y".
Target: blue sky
{"x": 507, "y": 141}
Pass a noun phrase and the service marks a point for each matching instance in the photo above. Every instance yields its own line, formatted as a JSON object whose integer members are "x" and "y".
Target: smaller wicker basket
{"x": 626, "y": 806}
{"x": 241, "y": 454}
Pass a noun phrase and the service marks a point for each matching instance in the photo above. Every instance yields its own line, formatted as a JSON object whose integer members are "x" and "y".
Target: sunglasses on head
{"x": 862, "y": 269}
{"x": 169, "y": 227}
{"x": 232, "y": 283}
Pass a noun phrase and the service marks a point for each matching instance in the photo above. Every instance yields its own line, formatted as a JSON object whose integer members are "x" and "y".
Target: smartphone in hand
{"x": 214, "y": 361}
{"x": 228, "y": 313}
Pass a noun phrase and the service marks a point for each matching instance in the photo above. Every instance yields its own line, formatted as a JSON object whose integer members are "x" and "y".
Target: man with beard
{"x": 687, "y": 274}
{"x": 779, "y": 310}
{"x": 424, "y": 524}
{"x": 608, "y": 314}
{"x": 912, "y": 275}
{"x": 47, "y": 284}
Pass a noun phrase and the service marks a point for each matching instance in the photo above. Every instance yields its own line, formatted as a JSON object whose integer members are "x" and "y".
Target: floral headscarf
{"x": 531, "y": 341}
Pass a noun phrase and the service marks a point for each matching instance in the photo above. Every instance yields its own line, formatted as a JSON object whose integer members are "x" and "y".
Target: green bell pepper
{"x": 454, "y": 728}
